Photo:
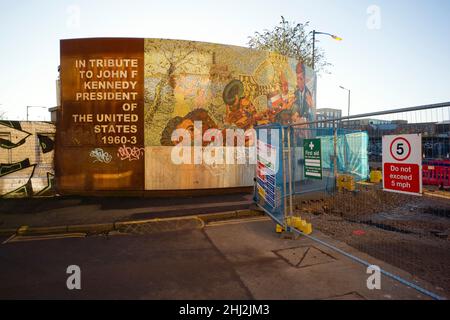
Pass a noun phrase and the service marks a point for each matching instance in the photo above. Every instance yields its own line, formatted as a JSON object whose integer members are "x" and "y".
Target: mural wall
{"x": 123, "y": 98}
{"x": 223, "y": 86}
{"x": 26, "y": 159}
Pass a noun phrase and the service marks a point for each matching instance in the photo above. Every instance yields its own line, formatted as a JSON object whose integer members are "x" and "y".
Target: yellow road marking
{"x": 236, "y": 221}
{"x": 16, "y": 238}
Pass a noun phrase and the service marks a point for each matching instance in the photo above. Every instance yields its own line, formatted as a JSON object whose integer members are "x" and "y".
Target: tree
{"x": 290, "y": 39}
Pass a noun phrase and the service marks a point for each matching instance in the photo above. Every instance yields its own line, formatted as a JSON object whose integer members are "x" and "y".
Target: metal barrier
{"x": 273, "y": 168}
{"x": 343, "y": 151}
{"x": 436, "y": 173}
{"x": 341, "y": 190}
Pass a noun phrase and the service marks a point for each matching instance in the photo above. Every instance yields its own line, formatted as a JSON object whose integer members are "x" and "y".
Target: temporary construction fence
{"x": 272, "y": 185}
{"x": 330, "y": 172}
{"x": 342, "y": 151}
{"x": 282, "y": 170}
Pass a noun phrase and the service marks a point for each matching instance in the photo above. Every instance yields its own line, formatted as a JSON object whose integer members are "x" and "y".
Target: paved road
{"x": 158, "y": 266}
{"x": 233, "y": 260}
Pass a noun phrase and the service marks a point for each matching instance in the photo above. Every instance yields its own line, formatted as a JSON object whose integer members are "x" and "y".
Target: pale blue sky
{"x": 404, "y": 62}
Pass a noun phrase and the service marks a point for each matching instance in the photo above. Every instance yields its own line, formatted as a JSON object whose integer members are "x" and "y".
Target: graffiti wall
{"x": 26, "y": 159}
{"x": 123, "y": 99}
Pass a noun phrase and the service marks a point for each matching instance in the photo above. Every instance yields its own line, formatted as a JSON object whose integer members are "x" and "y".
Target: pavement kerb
{"x": 91, "y": 228}
{"x": 230, "y": 215}
{"x": 7, "y": 232}
{"x": 29, "y": 231}
{"x": 118, "y": 225}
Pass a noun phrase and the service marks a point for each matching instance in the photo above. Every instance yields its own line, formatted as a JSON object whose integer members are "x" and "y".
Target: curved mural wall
{"x": 122, "y": 99}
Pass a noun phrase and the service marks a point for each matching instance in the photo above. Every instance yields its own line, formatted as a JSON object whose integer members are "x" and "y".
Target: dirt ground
{"x": 409, "y": 232}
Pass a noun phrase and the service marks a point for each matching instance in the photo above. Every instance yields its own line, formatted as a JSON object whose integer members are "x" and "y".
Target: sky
{"x": 394, "y": 53}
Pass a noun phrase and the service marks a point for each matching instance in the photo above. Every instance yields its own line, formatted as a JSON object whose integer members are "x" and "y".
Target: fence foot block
{"x": 300, "y": 224}
{"x": 279, "y": 228}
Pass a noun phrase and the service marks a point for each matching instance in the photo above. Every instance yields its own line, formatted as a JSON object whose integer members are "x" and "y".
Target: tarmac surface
{"x": 48, "y": 212}
{"x": 236, "y": 259}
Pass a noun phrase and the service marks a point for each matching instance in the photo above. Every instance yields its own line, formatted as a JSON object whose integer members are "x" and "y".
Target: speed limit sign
{"x": 402, "y": 163}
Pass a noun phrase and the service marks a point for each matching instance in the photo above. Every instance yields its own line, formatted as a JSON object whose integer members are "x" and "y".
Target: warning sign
{"x": 402, "y": 163}
{"x": 313, "y": 158}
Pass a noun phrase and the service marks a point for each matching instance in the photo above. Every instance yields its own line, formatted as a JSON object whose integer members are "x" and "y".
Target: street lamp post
{"x": 348, "y": 100}
{"x": 314, "y": 32}
{"x": 345, "y": 153}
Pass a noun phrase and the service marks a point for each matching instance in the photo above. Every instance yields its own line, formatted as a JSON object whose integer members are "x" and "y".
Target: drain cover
{"x": 301, "y": 257}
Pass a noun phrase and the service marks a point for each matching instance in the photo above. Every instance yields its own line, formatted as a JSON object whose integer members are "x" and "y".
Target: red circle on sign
{"x": 409, "y": 149}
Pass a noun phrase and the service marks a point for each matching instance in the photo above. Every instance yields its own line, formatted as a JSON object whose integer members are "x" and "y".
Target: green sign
{"x": 312, "y": 153}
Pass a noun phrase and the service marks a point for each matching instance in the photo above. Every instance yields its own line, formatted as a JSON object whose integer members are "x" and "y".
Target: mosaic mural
{"x": 222, "y": 86}
{"x": 122, "y": 99}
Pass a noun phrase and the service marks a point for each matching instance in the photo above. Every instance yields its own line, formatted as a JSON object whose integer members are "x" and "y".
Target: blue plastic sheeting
{"x": 352, "y": 156}
{"x": 327, "y": 143}
{"x": 356, "y": 146}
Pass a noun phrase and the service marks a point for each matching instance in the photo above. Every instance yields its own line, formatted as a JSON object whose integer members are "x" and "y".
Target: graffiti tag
{"x": 100, "y": 155}
{"x": 130, "y": 153}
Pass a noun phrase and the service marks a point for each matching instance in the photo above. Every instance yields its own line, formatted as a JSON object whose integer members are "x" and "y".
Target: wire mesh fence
{"x": 348, "y": 201}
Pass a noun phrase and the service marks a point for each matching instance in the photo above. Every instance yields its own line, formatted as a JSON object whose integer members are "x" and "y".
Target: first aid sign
{"x": 402, "y": 163}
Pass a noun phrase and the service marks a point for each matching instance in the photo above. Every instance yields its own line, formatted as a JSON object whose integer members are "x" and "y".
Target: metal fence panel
{"x": 270, "y": 185}
{"x": 348, "y": 202}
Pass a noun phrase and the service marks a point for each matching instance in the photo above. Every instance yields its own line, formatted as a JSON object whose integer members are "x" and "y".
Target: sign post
{"x": 402, "y": 163}
{"x": 312, "y": 154}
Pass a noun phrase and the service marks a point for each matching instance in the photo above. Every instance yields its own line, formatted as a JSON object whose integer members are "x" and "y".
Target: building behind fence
{"x": 359, "y": 147}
